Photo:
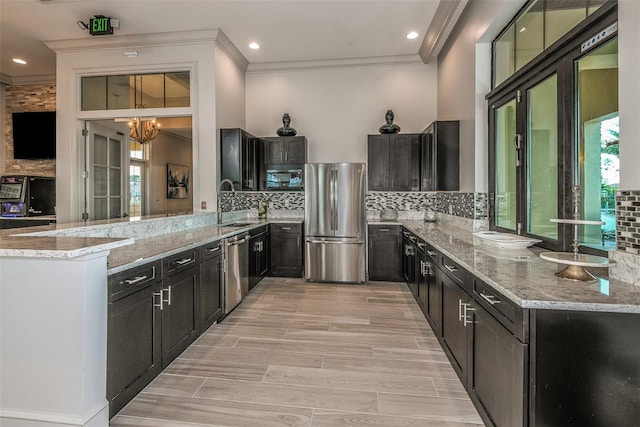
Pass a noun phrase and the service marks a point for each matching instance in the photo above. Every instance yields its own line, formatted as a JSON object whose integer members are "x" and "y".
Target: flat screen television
{"x": 34, "y": 135}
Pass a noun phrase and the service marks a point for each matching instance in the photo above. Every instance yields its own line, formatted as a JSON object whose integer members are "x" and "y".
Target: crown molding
{"x": 443, "y": 22}
{"x": 177, "y": 38}
{"x": 374, "y": 61}
{"x": 46, "y": 79}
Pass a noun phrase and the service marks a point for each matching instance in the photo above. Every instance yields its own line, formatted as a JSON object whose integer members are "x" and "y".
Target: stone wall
{"x": 41, "y": 97}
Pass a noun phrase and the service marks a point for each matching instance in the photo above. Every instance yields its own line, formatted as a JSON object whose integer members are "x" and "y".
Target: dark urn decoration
{"x": 389, "y": 127}
{"x": 286, "y": 130}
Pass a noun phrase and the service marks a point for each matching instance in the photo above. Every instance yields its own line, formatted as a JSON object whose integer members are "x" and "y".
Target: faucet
{"x": 219, "y": 207}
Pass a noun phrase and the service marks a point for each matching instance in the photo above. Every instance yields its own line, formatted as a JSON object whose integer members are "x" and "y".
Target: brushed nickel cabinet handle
{"x": 491, "y": 299}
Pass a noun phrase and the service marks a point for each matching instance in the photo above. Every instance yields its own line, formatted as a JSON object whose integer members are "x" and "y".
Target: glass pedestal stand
{"x": 575, "y": 261}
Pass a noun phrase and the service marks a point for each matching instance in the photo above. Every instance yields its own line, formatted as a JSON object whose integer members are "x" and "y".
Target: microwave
{"x": 284, "y": 179}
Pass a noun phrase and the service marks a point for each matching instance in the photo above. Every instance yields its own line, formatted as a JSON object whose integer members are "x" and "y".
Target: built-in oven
{"x": 284, "y": 179}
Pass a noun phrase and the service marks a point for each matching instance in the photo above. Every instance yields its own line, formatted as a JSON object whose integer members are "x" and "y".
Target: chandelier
{"x": 143, "y": 131}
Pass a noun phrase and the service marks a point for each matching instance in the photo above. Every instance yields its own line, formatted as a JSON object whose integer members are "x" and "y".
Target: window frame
{"x": 559, "y": 58}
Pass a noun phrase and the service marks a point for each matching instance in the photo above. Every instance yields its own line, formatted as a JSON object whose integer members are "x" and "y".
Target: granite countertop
{"x": 149, "y": 249}
{"x": 529, "y": 282}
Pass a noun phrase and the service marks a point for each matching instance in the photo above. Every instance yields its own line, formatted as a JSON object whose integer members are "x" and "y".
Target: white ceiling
{"x": 287, "y": 30}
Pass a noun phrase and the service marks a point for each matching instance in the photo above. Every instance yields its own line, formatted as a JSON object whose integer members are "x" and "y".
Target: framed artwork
{"x": 177, "y": 181}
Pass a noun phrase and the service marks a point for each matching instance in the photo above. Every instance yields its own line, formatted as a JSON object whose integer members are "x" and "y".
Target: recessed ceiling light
{"x": 412, "y": 35}
{"x": 20, "y": 61}
{"x": 254, "y": 45}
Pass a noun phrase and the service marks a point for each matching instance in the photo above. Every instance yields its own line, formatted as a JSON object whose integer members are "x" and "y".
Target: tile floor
{"x": 309, "y": 354}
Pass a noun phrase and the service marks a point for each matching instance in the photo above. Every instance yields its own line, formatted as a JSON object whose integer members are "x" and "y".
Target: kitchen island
{"x": 54, "y": 298}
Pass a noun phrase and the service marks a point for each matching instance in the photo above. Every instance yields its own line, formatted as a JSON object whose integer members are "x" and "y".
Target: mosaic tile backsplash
{"x": 466, "y": 205}
{"x": 628, "y": 221}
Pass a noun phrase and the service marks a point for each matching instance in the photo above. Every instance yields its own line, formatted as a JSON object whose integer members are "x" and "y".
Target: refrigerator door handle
{"x": 335, "y": 199}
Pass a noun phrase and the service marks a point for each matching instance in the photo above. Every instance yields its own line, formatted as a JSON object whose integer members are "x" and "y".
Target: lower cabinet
{"x": 409, "y": 261}
{"x": 455, "y": 319}
{"x": 133, "y": 333}
{"x": 286, "y": 250}
{"x": 385, "y": 249}
{"x": 211, "y": 284}
{"x": 498, "y": 371}
{"x": 180, "y": 306}
{"x": 258, "y": 255}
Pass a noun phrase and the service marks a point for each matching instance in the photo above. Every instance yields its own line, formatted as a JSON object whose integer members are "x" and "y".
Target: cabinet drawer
{"x": 432, "y": 254}
{"x": 288, "y": 228}
{"x": 132, "y": 280}
{"x": 180, "y": 261}
{"x": 508, "y": 313}
{"x": 453, "y": 270}
{"x": 210, "y": 250}
{"x": 258, "y": 230}
{"x": 385, "y": 230}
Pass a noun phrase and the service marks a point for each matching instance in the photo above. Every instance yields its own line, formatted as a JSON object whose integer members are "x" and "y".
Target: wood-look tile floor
{"x": 309, "y": 354}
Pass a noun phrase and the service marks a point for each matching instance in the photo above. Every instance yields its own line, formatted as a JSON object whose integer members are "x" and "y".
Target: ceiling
{"x": 287, "y": 30}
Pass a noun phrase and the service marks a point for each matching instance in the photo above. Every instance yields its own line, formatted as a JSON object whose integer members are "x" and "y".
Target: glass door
{"x": 105, "y": 160}
{"x": 598, "y": 141}
{"x": 542, "y": 159}
{"x": 505, "y": 161}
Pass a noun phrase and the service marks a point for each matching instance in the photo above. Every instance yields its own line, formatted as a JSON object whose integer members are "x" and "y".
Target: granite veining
{"x": 530, "y": 283}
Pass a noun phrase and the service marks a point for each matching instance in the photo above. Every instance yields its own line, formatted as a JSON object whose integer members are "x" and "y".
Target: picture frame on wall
{"x": 177, "y": 181}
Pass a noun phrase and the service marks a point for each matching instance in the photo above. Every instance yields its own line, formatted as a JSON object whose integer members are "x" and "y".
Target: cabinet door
{"x": 133, "y": 345}
{"x": 385, "y": 254}
{"x": 254, "y": 261}
{"x": 286, "y": 255}
{"x": 498, "y": 374}
{"x": 274, "y": 149}
{"x": 249, "y": 165}
{"x": 423, "y": 274}
{"x": 404, "y": 161}
{"x": 263, "y": 258}
{"x": 296, "y": 149}
{"x": 378, "y": 163}
{"x": 454, "y": 331}
{"x": 180, "y": 313}
{"x": 434, "y": 298}
{"x": 211, "y": 276}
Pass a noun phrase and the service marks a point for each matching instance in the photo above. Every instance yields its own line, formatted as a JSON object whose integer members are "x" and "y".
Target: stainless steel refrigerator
{"x": 335, "y": 222}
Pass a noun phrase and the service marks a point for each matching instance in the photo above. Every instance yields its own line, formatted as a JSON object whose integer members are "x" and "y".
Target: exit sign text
{"x": 100, "y": 25}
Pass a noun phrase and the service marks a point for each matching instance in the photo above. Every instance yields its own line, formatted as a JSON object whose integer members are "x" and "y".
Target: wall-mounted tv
{"x": 34, "y": 135}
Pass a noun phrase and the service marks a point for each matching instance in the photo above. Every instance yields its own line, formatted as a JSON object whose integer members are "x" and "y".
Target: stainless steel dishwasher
{"x": 236, "y": 271}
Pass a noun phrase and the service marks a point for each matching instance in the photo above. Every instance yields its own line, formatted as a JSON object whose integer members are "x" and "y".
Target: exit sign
{"x": 100, "y": 25}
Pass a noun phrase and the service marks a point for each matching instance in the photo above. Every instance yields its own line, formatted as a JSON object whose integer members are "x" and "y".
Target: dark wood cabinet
{"x": 258, "y": 255}
{"x": 456, "y": 317}
{"x": 498, "y": 371}
{"x": 394, "y": 162}
{"x": 439, "y": 157}
{"x": 180, "y": 304}
{"x": 285, "y": 149}
{"x": 133, "y": 333}
{"x": 385, "y": 249}
{"x": 409, "y": 261}
{"x": 211, "y": 284}
{"x": 286, "y": 250}
{"x": 240, "y": 158}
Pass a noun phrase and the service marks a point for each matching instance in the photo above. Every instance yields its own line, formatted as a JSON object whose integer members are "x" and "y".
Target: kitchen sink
{"x": 238, "y": 224}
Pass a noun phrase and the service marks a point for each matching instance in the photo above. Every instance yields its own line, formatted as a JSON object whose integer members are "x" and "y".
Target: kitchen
{"x": 267, "y": 126}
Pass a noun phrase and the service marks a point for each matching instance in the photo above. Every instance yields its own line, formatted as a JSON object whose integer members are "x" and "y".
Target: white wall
{"x": 194, "y": 51}
{"x": 166, "y": 149}
{"x": 230, "y": 92}
{"x": 629, "y": 92}
{"x": 464, "y": 78}
{"x": 337, "y": 108}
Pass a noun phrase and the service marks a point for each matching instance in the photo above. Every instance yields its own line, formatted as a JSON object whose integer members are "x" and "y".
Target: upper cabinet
{"x": 427, "y": 161}
{"x": 394, "y": 162}
{"x": 239, "y": 158}
{"x": 285, "y": 149}
{"x": 440, "y": 153}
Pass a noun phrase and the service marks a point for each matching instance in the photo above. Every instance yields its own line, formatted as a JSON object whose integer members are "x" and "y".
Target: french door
{"x": 105, "y": 166}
